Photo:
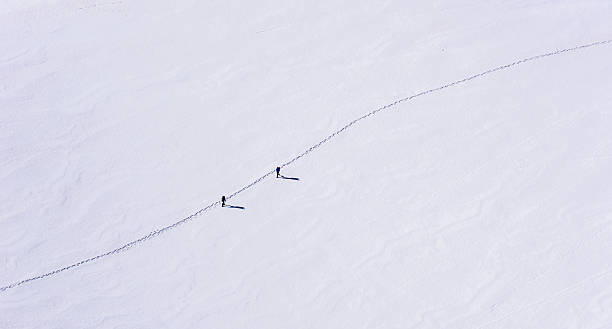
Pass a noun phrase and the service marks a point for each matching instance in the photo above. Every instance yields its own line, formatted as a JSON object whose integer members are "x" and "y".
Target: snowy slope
{"x": 482, "y": 205}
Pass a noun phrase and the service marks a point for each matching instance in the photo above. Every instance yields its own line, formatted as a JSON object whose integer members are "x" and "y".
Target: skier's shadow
{"x": 289, "y": 178}
{"x": 233, "y": 207}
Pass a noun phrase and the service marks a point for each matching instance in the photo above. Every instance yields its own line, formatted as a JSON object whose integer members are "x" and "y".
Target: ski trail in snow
{"x": 309, "y": 150}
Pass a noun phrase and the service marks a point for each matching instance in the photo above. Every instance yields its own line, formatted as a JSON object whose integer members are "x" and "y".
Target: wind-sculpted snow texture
{"x": 483, "y": 206}
{"x": 312, "y": 148}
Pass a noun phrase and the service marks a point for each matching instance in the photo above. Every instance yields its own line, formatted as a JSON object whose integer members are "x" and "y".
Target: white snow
{"x": 487, "y": 204}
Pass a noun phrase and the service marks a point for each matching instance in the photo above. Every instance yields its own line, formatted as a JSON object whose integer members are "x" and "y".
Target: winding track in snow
{"x": 296, "y": 158}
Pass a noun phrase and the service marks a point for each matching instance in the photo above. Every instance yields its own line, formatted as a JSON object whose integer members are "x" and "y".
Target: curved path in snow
{"x": 296, "y": 158}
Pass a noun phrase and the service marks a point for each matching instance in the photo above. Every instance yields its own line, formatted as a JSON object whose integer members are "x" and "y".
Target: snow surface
{"x": 483, "y": 205}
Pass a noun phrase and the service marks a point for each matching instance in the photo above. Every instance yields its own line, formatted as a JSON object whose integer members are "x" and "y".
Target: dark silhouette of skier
{"x": 277, "y": 172}
{"x": 223, "y": 201}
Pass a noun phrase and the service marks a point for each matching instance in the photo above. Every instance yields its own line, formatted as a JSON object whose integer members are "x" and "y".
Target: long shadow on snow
{"x": 233, "y": 207}
{"x": 289, "y": 178}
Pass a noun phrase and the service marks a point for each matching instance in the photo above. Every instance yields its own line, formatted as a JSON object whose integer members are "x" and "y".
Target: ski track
{"x": 201, "y": 211}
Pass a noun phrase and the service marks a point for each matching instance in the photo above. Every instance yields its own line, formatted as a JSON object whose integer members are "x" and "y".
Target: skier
{"x": 223, "y": 201}
{"x": 277, "y": 172}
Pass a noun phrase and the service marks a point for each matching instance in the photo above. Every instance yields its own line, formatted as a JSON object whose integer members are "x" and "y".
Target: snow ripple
{"x": 306, "y": 152}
